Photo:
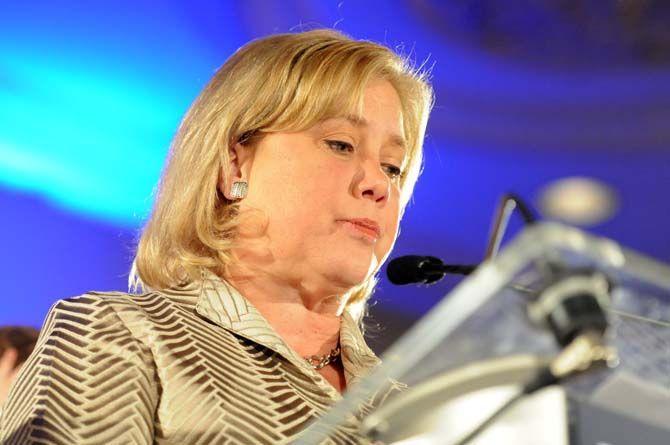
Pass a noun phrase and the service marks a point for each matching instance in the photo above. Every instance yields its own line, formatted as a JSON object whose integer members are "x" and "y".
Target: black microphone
{"x": 422, "y": 269}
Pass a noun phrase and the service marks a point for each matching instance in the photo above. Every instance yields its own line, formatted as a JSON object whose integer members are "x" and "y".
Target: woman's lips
{"x": 363, "y": 228}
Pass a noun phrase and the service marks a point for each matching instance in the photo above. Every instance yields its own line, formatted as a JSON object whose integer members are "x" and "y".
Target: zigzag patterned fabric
{"x": 195, "y": 365}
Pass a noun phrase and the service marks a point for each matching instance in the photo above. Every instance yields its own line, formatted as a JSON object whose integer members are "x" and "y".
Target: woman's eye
{"x": 340, "y": 146}
{"x": 392, "y": 171}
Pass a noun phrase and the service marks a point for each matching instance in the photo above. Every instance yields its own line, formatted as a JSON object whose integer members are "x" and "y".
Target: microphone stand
{"x": 429, "y": 269}
{"x": 508, "y": 203}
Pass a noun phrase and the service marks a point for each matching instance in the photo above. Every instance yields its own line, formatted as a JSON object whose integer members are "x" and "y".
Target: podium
{"x": 481, "y": 343}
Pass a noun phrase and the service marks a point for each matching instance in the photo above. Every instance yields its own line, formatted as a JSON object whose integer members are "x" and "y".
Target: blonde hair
{"x": 285, "y": 82}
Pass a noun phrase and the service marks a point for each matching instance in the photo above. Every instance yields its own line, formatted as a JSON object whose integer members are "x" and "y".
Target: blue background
{"x": 91, "y": 94}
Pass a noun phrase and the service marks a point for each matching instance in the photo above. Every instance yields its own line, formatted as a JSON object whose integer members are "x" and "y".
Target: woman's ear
{"x": 240, "y": 157}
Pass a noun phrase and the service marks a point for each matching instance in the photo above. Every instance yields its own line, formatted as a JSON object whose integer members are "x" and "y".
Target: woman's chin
{"x": 352, "y": 273}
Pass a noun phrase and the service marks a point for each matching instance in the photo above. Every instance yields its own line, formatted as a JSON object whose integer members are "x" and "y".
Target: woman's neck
{"x": 308, "y": 321}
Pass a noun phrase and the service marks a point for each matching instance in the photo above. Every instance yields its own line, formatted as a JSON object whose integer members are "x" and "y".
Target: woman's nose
{"x": 373, "y": 184}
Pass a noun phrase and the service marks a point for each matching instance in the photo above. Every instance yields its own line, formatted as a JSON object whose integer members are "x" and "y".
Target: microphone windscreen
{"x": 406, "y": 269}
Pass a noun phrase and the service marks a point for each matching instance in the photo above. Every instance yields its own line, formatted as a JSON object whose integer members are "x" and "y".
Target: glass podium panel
{"x": 483, "y": 328}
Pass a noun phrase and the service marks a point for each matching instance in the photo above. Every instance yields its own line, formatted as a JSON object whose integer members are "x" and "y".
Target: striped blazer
{"x": 194, "y": 365}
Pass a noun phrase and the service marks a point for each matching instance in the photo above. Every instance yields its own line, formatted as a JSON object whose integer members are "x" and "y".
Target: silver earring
{"x": 239, "y": 189}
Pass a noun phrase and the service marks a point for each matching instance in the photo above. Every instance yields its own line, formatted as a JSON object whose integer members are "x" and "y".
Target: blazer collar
{"x": 221, "y": 303}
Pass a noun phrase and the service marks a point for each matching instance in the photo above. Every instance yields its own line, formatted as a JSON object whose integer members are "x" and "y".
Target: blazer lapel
{"x": 357, "y": 357}
{"x": 223, "y": 305}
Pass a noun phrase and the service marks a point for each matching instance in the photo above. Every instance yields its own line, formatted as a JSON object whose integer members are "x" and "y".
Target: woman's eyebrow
{"x": 360, "y": 121}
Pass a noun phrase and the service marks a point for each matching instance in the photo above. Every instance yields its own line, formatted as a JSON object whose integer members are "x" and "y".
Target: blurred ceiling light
{"x": 578, "y": 200}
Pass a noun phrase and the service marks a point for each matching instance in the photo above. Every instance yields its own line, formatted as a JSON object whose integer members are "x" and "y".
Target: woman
{"x": 280, "y": 200}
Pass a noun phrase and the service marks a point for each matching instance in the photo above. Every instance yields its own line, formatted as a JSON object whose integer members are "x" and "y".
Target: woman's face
{"x": 326, "y": 199}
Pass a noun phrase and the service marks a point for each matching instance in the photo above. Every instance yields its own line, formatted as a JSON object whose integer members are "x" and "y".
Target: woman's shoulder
{"x": 110, "y": 322}
{"x": 130, "y": 301}
{"x": 130, "y": 309}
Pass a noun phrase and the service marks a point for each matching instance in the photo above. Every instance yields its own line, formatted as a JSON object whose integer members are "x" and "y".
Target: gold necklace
{"x": 319, "y": 361}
